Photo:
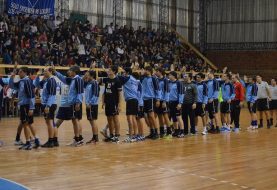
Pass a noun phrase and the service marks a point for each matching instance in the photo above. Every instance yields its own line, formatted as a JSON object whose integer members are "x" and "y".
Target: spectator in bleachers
{"x": 35, "y": 41}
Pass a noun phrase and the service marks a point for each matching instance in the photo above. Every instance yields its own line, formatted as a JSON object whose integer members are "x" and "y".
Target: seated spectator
{"x": 43, "y": 42}
{"x": 7, "y": 57}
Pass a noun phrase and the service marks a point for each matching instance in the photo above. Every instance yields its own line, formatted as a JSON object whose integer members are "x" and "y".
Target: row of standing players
{"x": 147, "y": 96}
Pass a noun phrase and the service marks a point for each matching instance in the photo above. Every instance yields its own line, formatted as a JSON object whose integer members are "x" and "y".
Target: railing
{"x": 4, "y": 66}
{"x": 185, "y": 41}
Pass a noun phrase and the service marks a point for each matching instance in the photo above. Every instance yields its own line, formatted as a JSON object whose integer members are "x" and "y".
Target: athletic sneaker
{"x": 175, "y": 134}
{"x": 48, "y": 144}
{"x": 108, "y": 139}
{"x": 73, "y": 143}
{"x": 80, "y": 143}
{"x": 181, "y": 135}
{"x": 18, "y": 143}
{"x": 162, "y": 135}
{"x": 168, "y": 136}
{"x": 127, "y": 140}
{"x": 155, "y": 137}
{"x": 225, "y": 129}
{"x": 26, "y": 147}
{"x": 36, "y": 144}
{"x": 217, "y": 130}
{"x": 140, "y": 138}
{"x": 150, "y": 136}
{"x": 92, "y": 141}
{"x": 115, "y": 139}
{"x": 236, "y": 130}
{"x": 134, "y": 139}
{"x": 205, "y": 131}
{"x": 56, "y": 144}
{"x": 212, "y": 130}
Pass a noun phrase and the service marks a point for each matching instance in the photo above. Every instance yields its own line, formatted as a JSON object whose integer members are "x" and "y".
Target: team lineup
{"x": 167, "y": 103}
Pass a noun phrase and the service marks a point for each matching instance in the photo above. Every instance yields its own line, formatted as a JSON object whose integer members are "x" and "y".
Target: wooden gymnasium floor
{"x": 247, "y": 160}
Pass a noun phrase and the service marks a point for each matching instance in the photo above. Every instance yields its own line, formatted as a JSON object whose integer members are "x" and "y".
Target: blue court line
{"x": 6, "y": 184}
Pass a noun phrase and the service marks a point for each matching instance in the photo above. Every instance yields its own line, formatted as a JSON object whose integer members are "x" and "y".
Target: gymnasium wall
{"x": 247, "y": 62}
{"x": 183, "y": 14}
{"x": 241, "y": 24}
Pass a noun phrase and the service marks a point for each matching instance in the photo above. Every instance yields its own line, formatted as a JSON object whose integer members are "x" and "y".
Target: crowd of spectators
{"x": 35, "y": 41}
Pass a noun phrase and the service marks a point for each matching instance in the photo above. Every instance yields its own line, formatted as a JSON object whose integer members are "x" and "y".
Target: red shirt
{"x": 239, "y": 91}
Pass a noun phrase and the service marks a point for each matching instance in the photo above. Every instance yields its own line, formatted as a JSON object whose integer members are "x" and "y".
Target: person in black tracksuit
{"x": 189, "y": 104}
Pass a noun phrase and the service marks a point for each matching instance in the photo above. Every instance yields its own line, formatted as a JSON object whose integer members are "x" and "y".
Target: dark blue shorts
{"x": 24, "y": 117}
{"x": 65, "y": 113}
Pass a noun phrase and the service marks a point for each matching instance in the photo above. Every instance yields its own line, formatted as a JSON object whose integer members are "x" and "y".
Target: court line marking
{"x": 244, "y": 187}
{"x": 20, "y": 185}
{"x": 211, "y": 178}
{"x": 193, "y": 174}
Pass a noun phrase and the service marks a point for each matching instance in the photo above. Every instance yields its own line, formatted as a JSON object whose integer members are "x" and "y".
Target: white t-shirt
{"x": 110, "y": 30}
{"x": 34, "y": 29}
{"x": 57, "y": 23}
{"x": 262, "y": 90}
{"x": 120, "y": 51}
{"x": 81, "y": 49}
{"x": 273, "y": 90}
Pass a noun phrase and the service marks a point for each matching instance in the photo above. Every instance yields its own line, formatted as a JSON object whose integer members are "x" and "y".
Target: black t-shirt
{"x": 112, "y": 87}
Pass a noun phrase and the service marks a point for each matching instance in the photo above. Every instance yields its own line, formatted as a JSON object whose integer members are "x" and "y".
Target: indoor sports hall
{"x": 138, "y": 94}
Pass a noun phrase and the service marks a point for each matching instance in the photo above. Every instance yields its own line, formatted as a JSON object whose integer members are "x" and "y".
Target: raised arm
{"x": 38, "y": 83}
{"x": 61, "y": 77}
